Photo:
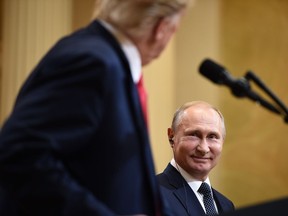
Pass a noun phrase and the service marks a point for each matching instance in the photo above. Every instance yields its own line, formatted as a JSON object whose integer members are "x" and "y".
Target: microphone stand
{"x": 241, "y": 88}
{"x": 284, "y": 111}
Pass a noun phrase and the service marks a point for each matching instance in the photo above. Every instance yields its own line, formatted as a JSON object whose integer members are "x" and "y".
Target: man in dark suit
{"x": 76, "y": 142}
{"x": 196, "y": 138}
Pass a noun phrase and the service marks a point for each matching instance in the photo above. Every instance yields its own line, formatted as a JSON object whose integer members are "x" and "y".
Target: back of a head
{"x": 136, "y": 16}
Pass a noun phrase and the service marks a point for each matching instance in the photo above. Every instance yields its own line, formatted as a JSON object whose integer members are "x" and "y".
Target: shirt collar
{"x": 194, "y": 183}
{"x": 129, "y": 49}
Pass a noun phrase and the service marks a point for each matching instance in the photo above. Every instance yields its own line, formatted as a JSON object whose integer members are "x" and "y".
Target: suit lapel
{"x": 220, "y": 202}
{"x": 183, "y": 192}
{"x": 131, "y": 89}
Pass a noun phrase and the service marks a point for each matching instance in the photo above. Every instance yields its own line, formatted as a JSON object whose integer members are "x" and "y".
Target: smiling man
{"x": 196, "y": 137}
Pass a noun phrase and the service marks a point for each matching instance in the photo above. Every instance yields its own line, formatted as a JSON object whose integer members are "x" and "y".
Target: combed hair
{"x": 136, "y": 15}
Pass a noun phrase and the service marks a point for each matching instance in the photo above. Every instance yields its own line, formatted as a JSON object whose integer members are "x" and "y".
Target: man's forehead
{"x": 200, "y": 121}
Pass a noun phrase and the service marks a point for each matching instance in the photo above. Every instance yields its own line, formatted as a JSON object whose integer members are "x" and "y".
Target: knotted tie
{"x": 205, "y": 190}
{"x": 143, "y": 98}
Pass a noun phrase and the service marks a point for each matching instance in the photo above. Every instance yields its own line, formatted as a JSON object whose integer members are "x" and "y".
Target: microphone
{"x": 219, "y": 75}
{"x": 239, "y": 87}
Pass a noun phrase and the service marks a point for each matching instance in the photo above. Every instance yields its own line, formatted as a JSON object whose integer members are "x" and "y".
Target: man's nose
{"x": 203, "y": 147}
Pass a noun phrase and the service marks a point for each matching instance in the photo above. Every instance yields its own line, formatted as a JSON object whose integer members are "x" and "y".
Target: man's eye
{"x": 213, "y": 136}
{"x": 194, "y": 134}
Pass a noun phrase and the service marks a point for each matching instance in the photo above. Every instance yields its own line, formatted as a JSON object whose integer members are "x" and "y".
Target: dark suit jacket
{"x": 180, "y": 198}
{"x": 76, "y": 142}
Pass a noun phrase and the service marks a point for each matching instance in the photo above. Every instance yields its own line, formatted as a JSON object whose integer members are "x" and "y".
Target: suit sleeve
{"x": 56, "y": 112}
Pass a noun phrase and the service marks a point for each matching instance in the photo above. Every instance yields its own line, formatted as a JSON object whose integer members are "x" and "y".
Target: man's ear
{"x": 162, "y": 26}
{"x": 170, "y": 134}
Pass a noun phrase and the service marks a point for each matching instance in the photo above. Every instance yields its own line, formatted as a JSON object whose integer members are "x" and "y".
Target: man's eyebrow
{"x": 191, "y": 131}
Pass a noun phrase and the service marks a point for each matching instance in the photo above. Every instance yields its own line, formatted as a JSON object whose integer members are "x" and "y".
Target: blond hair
{"x": 136, "y": 16}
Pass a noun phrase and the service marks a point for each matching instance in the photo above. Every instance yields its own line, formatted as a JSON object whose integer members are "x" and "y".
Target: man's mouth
{"x": 200, "y": 159}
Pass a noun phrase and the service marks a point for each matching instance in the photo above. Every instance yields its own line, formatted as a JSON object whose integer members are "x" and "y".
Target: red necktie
{"x": 143, "y": 97}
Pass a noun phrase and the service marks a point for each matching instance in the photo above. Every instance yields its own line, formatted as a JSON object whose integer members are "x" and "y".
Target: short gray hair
{"x": 179, "y": 113}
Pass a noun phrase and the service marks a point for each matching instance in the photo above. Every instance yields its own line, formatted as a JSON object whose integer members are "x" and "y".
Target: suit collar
{"x": 183, "y": 192}
{"x": 130, "y": 50}
{"x": 98, "y": 29}
{"x": 193, "y": 183}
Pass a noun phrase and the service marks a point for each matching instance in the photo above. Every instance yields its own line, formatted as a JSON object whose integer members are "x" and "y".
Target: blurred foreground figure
{"x": 76, "y": 142}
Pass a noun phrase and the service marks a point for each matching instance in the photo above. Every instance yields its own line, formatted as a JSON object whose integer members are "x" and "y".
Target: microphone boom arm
{"x": 251, "y": 76}
{"x": 241, "y": 88}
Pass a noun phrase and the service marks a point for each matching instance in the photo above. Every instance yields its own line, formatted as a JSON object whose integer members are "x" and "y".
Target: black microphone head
{"x": 219, "y": 75}
{"x": 213, "y": 71}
